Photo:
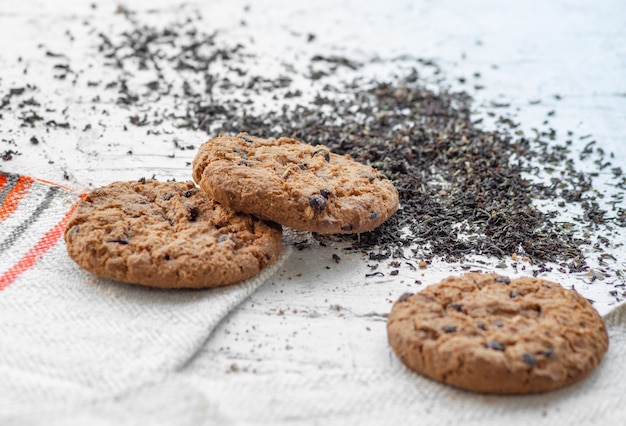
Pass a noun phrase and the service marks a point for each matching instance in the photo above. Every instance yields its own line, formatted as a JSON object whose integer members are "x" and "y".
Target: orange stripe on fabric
{"x": 14, "y": 196}
{"x": 67, "y": 188}
{"x": 43, "y": 245}
{"x": 3, "y": 180}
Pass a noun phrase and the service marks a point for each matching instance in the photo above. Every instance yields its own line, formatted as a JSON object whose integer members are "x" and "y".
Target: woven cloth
{"x": 69, "y": 338}
{"x": 77, "y": 350}
{"x": 385, "y": 394}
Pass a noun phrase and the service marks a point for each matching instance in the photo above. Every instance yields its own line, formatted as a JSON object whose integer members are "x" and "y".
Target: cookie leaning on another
{"x": 491, "y": 334}
{"x": 169, "y": 235}
{"x": 295, "y": 184}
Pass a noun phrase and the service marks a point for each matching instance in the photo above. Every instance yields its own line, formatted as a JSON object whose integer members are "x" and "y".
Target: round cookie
{"x": 491, "y": 334}
{"x": 295, "y": 184}
{"x": 167, "y": 234}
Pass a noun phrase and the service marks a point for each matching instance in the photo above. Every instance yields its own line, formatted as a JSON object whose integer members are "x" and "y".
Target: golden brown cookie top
{"x": 488, "y": 333}
{"x": 295, "y": 184}
{"x": 167, "y": 234}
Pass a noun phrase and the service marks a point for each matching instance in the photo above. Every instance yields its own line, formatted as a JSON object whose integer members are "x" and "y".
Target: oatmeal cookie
{"x": 169, "y": 235}
{"x": 491, "y": 334}
{"x": 295, "y": 184}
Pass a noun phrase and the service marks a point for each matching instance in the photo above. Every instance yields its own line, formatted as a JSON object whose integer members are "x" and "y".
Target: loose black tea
{"x": 465, "y": 190}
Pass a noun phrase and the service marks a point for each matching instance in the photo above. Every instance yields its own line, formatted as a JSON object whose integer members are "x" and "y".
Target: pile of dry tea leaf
{"x": 464, "y": 190}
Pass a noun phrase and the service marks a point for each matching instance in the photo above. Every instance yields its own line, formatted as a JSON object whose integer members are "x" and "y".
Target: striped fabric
{"x": 28, "y": 232}
{"x": 69, "y": 338}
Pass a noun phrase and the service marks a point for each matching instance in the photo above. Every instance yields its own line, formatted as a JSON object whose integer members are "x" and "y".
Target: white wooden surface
{"x": 318, "y": 318}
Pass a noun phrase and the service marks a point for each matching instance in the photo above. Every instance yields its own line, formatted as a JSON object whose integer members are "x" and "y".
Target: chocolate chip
{"x": 502, "y": 279}
{"x": 302, "y": 166}
{"x": 142, "y": 180}
{"x": 244, "y": 163}
{"x": 513, "y": 294}
{"x": 318, "y": 202}
{"x": 223, "y": 238}
{"x": 548, "y": 353}
{"x": 529, "y": 359}
{"x": 189, "y": 193}
{"x": 499, "y": 324}
{"x": 245, "y": 138}
{"x": 241, "y": 153}
{"x": 118, "y": 241}
{"x": 369, "y": 176}
{"x": 456, "y": 306}
{"x": 194, "y": 212}
{"x": 326, "y": 193}
{"x": 346, "y": 228}
{"x": 493, "y": 344}
{"x": 449, "y": 329}
{"x": 405, "y": 296}
{"x": 323, "y": 152}
{"x": 482, "y": 326}
{"x": 373, "y": 215}
{"x": 168, "y": 196}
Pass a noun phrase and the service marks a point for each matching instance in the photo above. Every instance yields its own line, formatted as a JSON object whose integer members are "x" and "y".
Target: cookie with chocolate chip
{"x": 169, "y": 235}
{"x": 491, "y": 334}
{"x": 303, "y": 186}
